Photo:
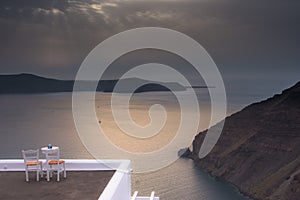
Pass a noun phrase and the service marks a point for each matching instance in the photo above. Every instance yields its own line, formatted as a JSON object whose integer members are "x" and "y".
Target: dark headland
{"x": 29, "y": 83}
{"x": 259, "y": 148}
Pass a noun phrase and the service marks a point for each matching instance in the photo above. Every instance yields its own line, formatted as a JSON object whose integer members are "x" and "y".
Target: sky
{"x": 254, "y": 43}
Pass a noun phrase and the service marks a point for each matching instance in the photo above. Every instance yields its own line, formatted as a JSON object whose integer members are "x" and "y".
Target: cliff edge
{"x": 259, "y": 149}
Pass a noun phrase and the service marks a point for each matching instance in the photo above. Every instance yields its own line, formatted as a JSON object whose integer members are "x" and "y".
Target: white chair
{"x": 55, "y": 164}
{"x": 152, "y": 195}
{"x": 135, "y": 196}
{"x": 32, "y": 163}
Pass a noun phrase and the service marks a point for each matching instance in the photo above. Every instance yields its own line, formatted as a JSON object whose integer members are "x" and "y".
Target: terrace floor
{"x": 84, "y": 185}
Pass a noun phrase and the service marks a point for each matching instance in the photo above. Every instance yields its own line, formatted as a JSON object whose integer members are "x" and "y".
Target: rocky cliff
{"x": 259, "y": 149}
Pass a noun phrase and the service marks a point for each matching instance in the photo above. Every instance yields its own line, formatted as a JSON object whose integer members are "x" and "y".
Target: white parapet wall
{"x": 118, "y": 188}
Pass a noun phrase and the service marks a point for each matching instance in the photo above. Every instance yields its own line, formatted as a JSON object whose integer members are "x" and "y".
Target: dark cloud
{"x": 53, "y": 37}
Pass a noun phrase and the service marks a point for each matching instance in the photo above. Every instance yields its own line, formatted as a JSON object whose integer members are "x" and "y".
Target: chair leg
{"x": 42, "y": 172}
{"x": 65, "y": 173}
{"x": 48, "y": 178}
{"x": 51, "y": 170}
{"x": 58, "y": 172}
{"x": 26, "y": 175}
{"x": 37, "y": 175}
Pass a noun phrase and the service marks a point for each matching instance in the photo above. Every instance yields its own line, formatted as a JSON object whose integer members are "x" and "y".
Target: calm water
{"x": 32, "y": 121}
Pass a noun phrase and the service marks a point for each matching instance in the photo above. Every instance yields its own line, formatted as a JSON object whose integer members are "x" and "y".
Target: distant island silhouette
{"x": 29, "y": 83}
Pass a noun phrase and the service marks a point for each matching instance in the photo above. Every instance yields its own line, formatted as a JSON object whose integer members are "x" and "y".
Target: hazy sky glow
{"x": 248, "y": 40}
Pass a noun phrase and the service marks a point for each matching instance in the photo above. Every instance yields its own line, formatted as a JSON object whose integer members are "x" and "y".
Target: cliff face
{"x": 259, "y": 149}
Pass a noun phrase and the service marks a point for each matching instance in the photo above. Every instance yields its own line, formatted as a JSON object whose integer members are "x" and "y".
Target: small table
{"x": 46, "y": 150}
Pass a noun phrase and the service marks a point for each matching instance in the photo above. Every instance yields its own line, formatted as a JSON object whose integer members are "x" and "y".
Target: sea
{"x": 31, "y": 121}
